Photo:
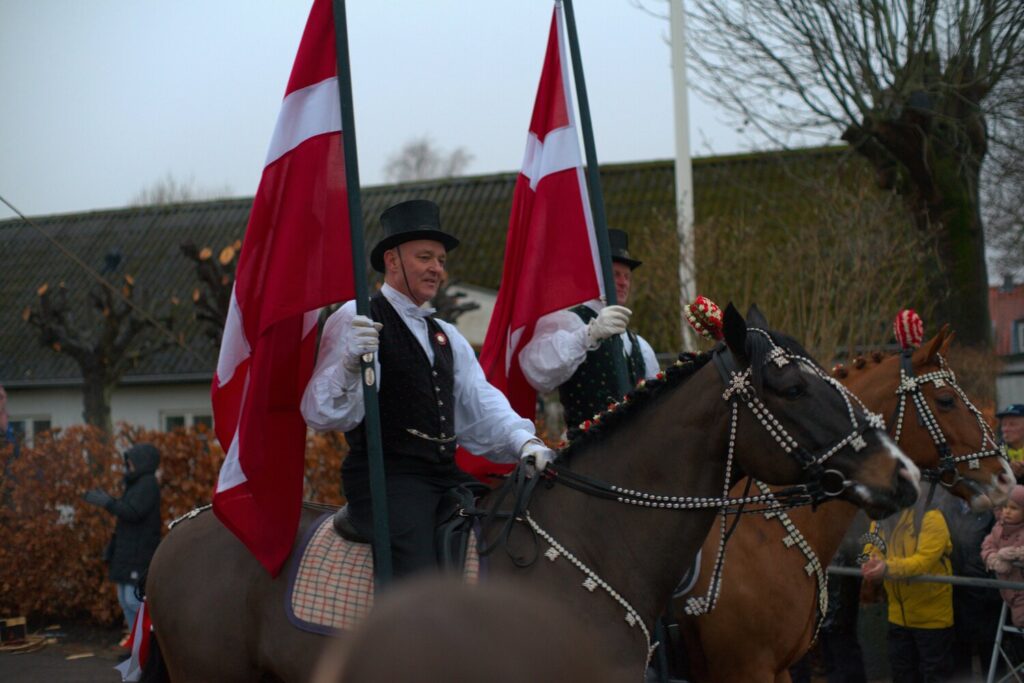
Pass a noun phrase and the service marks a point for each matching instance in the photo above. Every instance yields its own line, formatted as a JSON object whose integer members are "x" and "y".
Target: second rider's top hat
{"x": 618, "y": 240}
{"x": 416, "y": 219}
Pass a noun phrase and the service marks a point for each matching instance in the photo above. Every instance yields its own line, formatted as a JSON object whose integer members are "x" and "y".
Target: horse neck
{"x": 666, "y": 448}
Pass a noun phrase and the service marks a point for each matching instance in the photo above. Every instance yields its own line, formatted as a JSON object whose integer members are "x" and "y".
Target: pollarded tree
{"x": 106, "y": 337}
{"x": 921, "y": 88}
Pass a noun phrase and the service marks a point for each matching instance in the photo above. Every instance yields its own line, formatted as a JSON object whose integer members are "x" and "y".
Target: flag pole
{"x": 378, "y": 488}
{"x": 596, "y": 197}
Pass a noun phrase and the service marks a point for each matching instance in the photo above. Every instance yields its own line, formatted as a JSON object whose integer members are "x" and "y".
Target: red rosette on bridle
{"x": 908, "y": 328}
{"x": 705, "y": 316}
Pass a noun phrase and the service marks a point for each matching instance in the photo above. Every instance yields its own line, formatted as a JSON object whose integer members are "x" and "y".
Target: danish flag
{"x": 551, "y": 256}
{"x": 296, "y": 258}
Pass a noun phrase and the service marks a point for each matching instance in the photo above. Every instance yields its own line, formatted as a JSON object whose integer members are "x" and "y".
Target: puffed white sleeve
{"x": 484, "y": 421}
{"x": 559, "y": 346}
{"x": 650, "y": 358}
{"x": 333, "y": 399}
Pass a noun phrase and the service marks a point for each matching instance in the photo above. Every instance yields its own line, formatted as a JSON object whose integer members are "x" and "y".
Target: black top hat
{"x": 618, "y": 240}
{"x": 416, "y": 219}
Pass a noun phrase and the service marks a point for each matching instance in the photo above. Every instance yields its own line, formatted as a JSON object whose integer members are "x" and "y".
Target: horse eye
{"x": 946, "y": 401}
{"x": 792, "y": 392}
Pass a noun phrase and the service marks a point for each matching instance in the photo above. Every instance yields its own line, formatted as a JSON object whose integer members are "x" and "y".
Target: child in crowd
{"x": 1003, "y": 551}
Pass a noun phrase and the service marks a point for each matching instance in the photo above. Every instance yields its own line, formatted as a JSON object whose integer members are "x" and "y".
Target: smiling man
{"x": 570, "y": 350}
{"x": 433, "y": 393}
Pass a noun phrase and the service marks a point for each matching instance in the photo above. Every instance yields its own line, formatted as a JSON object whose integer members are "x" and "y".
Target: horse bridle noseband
{"x": 910, "y": 385}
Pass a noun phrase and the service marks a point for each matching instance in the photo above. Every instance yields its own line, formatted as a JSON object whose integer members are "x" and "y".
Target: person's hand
{"x": 873, "y": 569}
{"x": 535, "y": 457}
{"x": 363, "y": 337}
{"x": 612, "y": 320}
{"x": 97, "y": 497}
{"x": 998, "y": 564}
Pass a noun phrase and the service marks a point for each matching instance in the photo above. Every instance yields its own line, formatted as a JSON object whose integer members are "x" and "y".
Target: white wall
{"x": 141, "y": 406}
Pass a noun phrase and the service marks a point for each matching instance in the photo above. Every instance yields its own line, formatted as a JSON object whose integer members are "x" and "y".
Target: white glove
{"x": 363, "y": 337}
{"x": 612, "y": 320}
{"x": 535, "y": 456}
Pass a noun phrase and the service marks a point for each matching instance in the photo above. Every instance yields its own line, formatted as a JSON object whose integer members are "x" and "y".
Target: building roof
{"x": 638, "y": 196}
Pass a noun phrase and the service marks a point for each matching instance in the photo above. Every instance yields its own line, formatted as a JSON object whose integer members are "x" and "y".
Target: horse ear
{"x": 755, "y": 318}
{"x": 735, "y": 329}
{"x": 950, "y": 336}
{"x": 935, "y": 345}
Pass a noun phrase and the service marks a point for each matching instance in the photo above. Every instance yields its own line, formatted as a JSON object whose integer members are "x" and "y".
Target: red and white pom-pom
{"x": 705, "y": 316}
{"x": 908, "y": 328}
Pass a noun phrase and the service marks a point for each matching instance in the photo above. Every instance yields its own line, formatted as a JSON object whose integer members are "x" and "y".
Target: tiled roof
{"x": 476, "y": 209}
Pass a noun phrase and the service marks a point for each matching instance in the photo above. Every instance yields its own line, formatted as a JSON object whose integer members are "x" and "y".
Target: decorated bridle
{"x": 909, "y": 334}
{"x": 739, "y": 389}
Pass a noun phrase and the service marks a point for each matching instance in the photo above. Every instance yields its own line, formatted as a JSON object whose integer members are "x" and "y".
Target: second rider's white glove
{"x": 535, "y": 456}
{"x": 363, "y": 337}
{"x": 612, "y": 320}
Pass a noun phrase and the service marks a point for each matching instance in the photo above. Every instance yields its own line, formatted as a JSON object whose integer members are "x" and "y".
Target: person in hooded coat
{"x": 1003, "y": 552}
{"x": 137, "y": 532}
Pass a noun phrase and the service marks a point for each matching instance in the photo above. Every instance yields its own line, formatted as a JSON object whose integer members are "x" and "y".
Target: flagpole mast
{"x": 378, "y": 488}
{"x": 596, "y": 197}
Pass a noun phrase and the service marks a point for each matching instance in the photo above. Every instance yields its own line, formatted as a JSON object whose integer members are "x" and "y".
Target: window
{"x": 27, "y": 426}
{"x": 1017, "y": 342}
{"x": 181, "y": 419}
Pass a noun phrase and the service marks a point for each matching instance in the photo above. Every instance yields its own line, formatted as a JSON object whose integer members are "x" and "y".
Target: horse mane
{"x": 643, "y": 395}
{"x": 859, "y": 362}
{"x": 648, "y": 391}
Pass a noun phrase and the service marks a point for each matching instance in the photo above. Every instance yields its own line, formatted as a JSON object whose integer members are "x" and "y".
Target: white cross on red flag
{"x": 551, "y": 255}
{"x": 296, "y": 258}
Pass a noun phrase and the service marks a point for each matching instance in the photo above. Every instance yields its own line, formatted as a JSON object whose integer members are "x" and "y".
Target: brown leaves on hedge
{"x": 52, "y": 542}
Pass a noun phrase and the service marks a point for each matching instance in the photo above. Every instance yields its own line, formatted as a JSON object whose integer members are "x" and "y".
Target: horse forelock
{"x": 642, "y": 396}
{"x": 759, "y": 346}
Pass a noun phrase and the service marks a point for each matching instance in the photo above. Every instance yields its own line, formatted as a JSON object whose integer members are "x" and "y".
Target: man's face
{"x": 424, "y": 268}
{"x": 1013, "y": 430}
{"x": 623, "y": 280}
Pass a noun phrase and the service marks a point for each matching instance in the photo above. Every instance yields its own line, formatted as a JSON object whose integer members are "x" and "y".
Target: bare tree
{"x": 170, "y": 190}
{"x": 212, "y": 297}
{"x": 921, "y": 88}
{"x": 420, "y": 159}
{"x": 105, "y": 338}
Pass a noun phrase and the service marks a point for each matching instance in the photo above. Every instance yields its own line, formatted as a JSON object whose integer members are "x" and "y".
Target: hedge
{"x": 52, "y": 542}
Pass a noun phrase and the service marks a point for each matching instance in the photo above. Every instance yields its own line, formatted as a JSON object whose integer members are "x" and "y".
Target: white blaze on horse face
{"x": 910, "y": 471}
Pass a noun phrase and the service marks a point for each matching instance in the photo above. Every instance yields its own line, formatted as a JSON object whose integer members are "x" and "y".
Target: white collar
{"x": 403, "y": 304}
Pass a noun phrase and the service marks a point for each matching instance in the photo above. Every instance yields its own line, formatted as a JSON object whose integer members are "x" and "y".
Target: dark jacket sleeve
{"x": 137, "y": 501}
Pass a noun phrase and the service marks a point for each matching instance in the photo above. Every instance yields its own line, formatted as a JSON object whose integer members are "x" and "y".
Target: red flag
{"x": 551, "y": 257}
{"x": 138, "y": 646}
{"x": 296, "y": 258}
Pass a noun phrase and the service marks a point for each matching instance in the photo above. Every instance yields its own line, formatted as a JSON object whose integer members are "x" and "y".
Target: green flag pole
{"x": 371, "y": 422}
{"x": 596, "y": 197}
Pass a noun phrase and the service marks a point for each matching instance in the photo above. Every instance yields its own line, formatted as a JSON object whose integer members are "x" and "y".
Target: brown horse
{"x": 611, "y": 552}
{"x": 768, "y": 599}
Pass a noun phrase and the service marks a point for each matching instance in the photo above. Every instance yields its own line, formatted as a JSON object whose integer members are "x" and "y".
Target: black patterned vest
{"x": 416, "y": 398}
{"x": 592, "y": 387}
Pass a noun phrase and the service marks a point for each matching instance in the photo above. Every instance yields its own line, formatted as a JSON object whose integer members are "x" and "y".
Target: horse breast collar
{"x": 910, "y": 385}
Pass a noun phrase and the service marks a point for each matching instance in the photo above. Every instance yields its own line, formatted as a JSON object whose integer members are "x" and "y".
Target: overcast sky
{"x": 102, "y": 99}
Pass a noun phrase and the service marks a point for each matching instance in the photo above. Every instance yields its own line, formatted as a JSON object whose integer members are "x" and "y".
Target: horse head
{"x": 782, "y": 400}
{"x": 934, "y": 420}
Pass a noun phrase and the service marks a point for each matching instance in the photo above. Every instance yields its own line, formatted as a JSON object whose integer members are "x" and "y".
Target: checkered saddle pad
{"x": 332, "y": 584}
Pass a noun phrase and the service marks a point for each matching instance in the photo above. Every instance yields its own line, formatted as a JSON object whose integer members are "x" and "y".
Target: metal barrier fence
{"x": 928, "y": 578}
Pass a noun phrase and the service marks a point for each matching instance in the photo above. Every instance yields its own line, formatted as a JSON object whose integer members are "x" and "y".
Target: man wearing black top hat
{"x": 570, "y": 350}
{"x": 432, "y": 391}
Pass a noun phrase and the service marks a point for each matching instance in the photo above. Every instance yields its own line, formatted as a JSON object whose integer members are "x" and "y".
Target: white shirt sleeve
{"x": 650, "y": 358}
{"x": 484, "y": 421}
{"x": 334, "y": 396}
{"x": 558, "y": 348}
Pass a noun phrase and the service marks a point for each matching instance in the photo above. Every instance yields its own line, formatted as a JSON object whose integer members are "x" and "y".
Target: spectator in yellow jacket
{"x": 920, "y": 614}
